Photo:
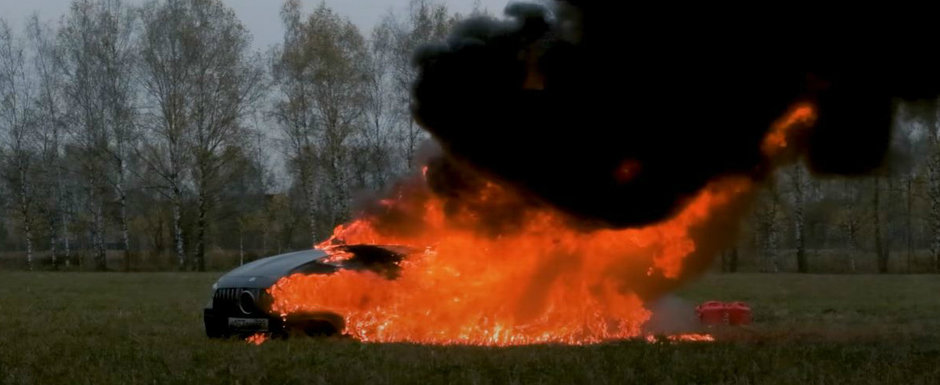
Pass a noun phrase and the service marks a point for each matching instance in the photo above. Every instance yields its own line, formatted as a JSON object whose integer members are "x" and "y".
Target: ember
{"x": 257, "y": 339}
{"x": 691, "y": 337}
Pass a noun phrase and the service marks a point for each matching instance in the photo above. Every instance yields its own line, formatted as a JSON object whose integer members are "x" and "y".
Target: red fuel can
{"x": 720, "y": 313}
{"x": 739, "y": 313}
{"x": 712, "y": 313}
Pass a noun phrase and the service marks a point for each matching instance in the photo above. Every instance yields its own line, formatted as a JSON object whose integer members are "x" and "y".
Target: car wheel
{"x": 319, "y": 328}
{"x": 317, "y": 325}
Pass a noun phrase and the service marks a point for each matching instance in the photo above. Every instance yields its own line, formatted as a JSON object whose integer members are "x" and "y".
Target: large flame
{"x": 777, "y": 140}
{"x": 545, "y": 282}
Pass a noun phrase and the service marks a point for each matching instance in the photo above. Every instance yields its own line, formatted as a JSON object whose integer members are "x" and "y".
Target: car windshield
{"x": 315, "y": 267}
{"x": 380, "y": 259}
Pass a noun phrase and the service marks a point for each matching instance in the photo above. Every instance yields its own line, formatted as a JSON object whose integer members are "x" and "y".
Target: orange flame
{"x": 690, "y": 337}
{"x": 544, "y": 282}
{"x": 778, "y": 139}
{"x": 547, "y": 283}
{"x": 257, "y": 339}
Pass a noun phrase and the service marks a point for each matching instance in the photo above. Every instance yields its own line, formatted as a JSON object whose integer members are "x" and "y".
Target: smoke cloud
{"x": 617, "y": 115}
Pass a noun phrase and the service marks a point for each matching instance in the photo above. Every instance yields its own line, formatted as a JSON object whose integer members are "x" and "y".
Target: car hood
{"x": 266, "y": 271}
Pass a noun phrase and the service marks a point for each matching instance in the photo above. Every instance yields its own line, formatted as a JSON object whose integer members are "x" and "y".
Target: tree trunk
{"x": 101, "y": 263}
{"x": 799, "y": 217}
{"x": 338, "y": 194}
{"x": 933, "y": 192}
{"x": 412, "y": 143}
{"x": 178, "y": 228}
{"x": 62, "y": 202}
{"x": 772, "y": 249}
{"x": 768, "y": 224}
{"x": 307, "y": 181}
{"x": 853, "y": 247}
{"x": 264, "y": 240}
{"x": 880, "y": 254}
{"x": 26, "y": 212}
{"x": 730, "y": 260}
{"x": 67, "y": 242}
{"x": 200, "y": 259}
{"x": 802, "y": 264}
{"x": 122, "y": 200}
{"x": 935, "y": 214}
{"x": 52, "y": 243}
{"x": 909, "y": 225}
{"x": 27, "y": 228}
{"x": 125, "y": 235}
{"x": 733, "y": 263}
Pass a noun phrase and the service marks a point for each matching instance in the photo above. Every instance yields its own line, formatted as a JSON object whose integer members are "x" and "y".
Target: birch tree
{"x": 933, "y": 180}
{"x": 168, "y": 83}
{"x": 766, "y": 216}
{"x": 98, "y": 42}
{"x": 49, "y": 104}
{"x": 799, "y": 184}
{"x": 851, "y": 219}
{"x": 293, "y": 109}
{"x": 227, "y": 84}
{"x": 426, "y": 21}
{"x": 380, "y": 115}
{"x": 910, "y": 180}
{"x": 18, "y": 152}
{"x": 200, "y": 73}
{"x": 321, "y": 75}
{"x": 117, "y": 60}
{"x": 882, "y": 247}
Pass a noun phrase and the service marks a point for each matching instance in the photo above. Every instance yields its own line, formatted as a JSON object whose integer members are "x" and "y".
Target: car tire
{"x": 316, "y": 324}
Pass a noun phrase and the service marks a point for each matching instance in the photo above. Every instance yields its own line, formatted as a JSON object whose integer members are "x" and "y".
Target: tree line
{"x": 153, "y": 136}
{"x": 886, "y": 222}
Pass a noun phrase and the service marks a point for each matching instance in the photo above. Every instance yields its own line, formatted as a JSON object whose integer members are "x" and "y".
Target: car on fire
{"x": 240, "y": 303}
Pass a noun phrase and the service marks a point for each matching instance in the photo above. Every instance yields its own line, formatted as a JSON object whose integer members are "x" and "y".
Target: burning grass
{"x": 146, "y": 328}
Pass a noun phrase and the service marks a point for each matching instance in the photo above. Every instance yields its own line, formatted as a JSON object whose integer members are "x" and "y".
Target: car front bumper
{"x": 221, "y": 325}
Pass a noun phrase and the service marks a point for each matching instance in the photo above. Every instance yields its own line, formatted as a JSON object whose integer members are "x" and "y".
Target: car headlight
{"x": 215, "y": 286}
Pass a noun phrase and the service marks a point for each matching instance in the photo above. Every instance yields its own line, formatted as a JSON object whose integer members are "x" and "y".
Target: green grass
{"x": 84, "y": 328}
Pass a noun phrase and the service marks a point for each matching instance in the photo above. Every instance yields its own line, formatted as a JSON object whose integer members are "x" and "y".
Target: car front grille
{"x": 228, "y": 295}
{"x": 226, "y": 300}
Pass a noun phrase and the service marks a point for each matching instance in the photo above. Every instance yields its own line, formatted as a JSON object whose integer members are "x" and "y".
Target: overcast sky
{"x": 260, "y": 16}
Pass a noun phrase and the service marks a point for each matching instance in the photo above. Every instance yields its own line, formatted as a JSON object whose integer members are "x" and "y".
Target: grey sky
{"x": 260, "y": 16}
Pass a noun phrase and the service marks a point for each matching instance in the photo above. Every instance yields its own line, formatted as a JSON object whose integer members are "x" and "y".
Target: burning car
{"x": 241, "y": 304}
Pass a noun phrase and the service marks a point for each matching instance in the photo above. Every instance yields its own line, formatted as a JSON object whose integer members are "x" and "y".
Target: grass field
{"x": 83, "y": 328}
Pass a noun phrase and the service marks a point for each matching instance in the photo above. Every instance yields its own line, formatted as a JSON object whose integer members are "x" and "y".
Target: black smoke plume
{"x": 617, "y": 114}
